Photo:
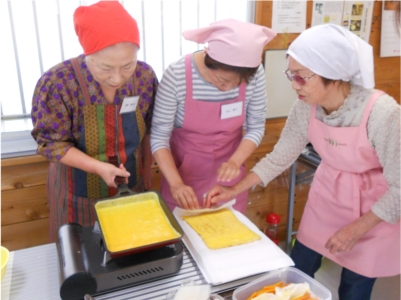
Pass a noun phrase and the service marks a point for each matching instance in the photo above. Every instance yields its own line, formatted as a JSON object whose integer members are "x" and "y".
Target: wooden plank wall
{"x": 24, "y": 209}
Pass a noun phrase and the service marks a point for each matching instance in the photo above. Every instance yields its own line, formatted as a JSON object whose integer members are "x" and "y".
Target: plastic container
{"x": 287, "y": 275}
{"x": 5, "y": 256}
{"x": 271, "y": 228}
{"x": 190, "y": 290}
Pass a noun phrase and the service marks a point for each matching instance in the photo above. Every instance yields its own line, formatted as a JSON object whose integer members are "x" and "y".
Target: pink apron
{"x": 204, "y": 142}
{"x": 346, "y": 184}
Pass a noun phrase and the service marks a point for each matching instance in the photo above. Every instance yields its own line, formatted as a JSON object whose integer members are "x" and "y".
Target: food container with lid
{"x": 287, "y": 275}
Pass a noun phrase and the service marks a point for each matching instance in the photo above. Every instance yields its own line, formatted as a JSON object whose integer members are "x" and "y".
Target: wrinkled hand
{"x": 108, "y": 172}
{"x": 227, "y": 171}
{"x": 344, "y": 239}
{"x": 185, "y": 196}
{"x": 218, "y": 193}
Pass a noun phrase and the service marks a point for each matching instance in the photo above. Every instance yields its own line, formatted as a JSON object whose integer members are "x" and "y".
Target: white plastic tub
{"x": 287, "y": 275}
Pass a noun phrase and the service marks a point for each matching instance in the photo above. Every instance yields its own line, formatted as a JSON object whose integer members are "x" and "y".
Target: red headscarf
{"x": 104, "y": 24}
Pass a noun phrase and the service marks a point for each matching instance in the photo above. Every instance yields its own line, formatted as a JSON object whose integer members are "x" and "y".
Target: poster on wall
{"x": 355, "y": 16}
{"x": 390, "y": 38}
{"x": 327, "y": 12}
{"x": 289, "y": 16}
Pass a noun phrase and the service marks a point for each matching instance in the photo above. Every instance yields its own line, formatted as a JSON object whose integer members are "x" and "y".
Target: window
{"x": 37, "y": 34}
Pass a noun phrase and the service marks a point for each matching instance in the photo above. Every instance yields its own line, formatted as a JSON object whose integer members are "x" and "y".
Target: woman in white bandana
{"x": 353, "y": 211}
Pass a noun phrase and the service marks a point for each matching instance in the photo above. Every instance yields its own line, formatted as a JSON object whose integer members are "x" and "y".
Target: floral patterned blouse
{"x": 57, "y": 104}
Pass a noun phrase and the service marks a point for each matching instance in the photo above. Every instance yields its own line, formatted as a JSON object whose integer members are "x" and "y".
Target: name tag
{"x": 231, "y": 110}
{"x": 129, "y": 104}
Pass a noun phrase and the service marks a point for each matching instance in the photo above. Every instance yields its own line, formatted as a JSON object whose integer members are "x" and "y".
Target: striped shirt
{"x": 170, "y": 103}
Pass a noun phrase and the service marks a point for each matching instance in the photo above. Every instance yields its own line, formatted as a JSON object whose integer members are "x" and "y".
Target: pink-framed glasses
{"x": 298, "y": 79}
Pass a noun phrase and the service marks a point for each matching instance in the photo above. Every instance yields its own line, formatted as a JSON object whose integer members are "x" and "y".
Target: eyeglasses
{"x": 298, "y": 79}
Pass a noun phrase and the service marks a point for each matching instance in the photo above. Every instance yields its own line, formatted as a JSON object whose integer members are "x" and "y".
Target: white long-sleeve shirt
{"x": 170, "y": 103}
{"x": 383, "y": 133}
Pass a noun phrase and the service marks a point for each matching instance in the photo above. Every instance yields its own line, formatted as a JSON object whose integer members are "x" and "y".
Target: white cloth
{"x": 227, "y": 264}
{"x": 335, "y": 53}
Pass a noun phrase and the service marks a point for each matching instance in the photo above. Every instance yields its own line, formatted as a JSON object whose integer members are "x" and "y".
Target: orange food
{"x": 267, "y": 289}
{"x": 272, "y": 289}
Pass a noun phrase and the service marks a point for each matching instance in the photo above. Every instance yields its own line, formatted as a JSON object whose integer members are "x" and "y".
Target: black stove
{"x": 87, "y": 269}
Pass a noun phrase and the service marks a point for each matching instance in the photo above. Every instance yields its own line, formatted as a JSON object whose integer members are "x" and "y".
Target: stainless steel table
{"x": 312, "y": 159}
{"x": 33, "y": 273}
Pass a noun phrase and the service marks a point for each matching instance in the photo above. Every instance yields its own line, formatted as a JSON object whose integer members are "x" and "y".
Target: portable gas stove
{"x": 86, "y": 268}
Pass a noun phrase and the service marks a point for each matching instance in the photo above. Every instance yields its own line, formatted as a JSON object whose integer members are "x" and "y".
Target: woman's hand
{"x": 185, "y": 196}
{"x": 77, "y": 159}
{"x": 223, "y": 193}
{"x": 346, "y": 238}
{"x": 228, "y": 171}
{"x": 109, "y": 172}
{"x": 218, "y": 193}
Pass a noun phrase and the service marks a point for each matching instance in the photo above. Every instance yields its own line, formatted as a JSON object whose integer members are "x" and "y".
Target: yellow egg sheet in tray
{"x": 136, "y": 223}
{"x": 226, "y": 245}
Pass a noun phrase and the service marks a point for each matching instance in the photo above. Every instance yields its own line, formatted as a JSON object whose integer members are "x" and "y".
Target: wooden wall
{"x": 24, "y": 209}
{"x": 24, "y": 205}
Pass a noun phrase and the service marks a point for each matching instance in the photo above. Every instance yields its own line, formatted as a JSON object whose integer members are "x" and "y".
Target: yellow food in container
{"x": 134, "y": 221}
{"x": 221, "y": 229}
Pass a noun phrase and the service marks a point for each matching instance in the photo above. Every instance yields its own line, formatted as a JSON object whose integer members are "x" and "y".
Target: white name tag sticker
{"x": 129, "y": 104}
{"x": 231, "y": 110}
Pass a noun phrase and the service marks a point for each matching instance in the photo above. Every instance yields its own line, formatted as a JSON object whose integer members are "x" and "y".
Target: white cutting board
{"x": 232, "y": 263}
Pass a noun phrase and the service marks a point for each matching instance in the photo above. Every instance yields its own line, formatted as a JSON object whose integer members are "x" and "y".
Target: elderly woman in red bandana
{"x": 89, "y": 109}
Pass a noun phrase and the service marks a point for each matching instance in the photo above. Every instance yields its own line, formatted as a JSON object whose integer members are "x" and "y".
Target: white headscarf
{"x": 335, "y": 53}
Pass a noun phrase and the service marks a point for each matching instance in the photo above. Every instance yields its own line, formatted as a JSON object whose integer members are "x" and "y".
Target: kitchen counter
{"x": 33, "y": 273}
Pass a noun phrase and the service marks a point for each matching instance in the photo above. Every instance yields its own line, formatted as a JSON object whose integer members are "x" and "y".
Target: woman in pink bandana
{"x": 353, "y": 211}
{"x": 203, "y": 101}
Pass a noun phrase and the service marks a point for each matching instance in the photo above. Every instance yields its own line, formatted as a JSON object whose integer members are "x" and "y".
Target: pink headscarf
{"x": 233, "y": 42}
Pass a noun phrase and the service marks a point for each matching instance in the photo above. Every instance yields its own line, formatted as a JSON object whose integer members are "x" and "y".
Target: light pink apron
{"x": 204, "y": 142}
{"x": 346, "y": 184}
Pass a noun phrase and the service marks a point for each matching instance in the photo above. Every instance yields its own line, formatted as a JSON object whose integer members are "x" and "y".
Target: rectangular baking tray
{"x": 120, "y": 197}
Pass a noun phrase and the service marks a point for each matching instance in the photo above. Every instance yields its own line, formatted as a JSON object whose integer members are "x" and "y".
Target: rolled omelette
{"x": 221, "y": 229}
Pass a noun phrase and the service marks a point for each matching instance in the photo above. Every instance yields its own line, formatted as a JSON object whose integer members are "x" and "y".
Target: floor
{"x": 387, "y": 288}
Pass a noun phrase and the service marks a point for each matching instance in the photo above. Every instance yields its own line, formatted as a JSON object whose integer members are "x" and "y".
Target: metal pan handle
{"x": 114, "y": 161}
{"x": 123, "y": 189}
